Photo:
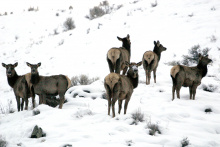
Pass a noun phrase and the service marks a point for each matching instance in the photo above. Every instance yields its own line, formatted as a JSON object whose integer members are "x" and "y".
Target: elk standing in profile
{"x": 189, "y": 76}
{"x": 120, "y": 87}
{"x": 151, "y": 60}
{"x": 48, "y": 85}
{"x": 117, "y": 57}
{"x": 20, "y": 86}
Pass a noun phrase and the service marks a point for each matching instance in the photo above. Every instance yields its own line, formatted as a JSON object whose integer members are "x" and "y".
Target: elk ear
{"x": 127, "y": 64}
{"x": 155, "y": 42}
{"x": 3, "y": 64}
{"x": 16, "y": 64}
{"x": 139, "y": 63}
{"x": 207, "y": 56}
{"x": 158, "y": 43}
{"x": 28, "y": 64}
{"x": 120, "y": 39}
{"x": 128, "y": 36}
{"x": 39, "y": 64}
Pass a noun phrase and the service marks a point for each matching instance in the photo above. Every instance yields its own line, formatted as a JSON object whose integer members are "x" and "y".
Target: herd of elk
{"x": 118, "y": 87}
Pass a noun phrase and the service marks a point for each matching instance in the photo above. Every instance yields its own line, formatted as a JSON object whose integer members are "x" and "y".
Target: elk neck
{"x": 156, "y": 51}
{"x": 127, "y": 46}
{"x": 35, "y": 78}
{"x": 203, "y": 68}
{"x": 134, "y": 81}
{"x": 12, "y": 80}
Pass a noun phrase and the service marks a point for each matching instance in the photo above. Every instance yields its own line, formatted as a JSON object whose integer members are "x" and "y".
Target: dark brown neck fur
{"x": 203, "y": 68}
{"x": 12, "y": 80}
{"x": 127, "y": 46}
{"x": 35, "y": 78}
{"x": 134, "y": 81}
{"x": 156, "y": 51}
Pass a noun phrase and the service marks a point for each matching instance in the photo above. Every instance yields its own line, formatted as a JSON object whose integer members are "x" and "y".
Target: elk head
{"x": 10, "y": 69}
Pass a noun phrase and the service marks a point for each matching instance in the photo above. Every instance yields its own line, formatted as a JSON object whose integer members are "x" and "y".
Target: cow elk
{"x": 189, "y": 76}
{"x": 120, "y": 87}
{"x": 151, "y": 60}
{"x": 20, "y": 86}
{"x": 117, "y": 57}
{"x": 48, "y": 85}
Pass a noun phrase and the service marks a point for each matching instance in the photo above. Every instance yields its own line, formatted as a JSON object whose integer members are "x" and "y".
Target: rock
{"x": 37, "y": 132}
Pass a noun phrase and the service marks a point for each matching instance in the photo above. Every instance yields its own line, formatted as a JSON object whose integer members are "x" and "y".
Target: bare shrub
{"x": 7, "y": 108}
{"x": 137, "y": 116}
{"x": 213, "y": 39}
{"x": 185, "y": 142}
{"x": 213, "y": 8}
{"x": 33, "y": 9}
{"x": 5, "y": 13}
{"x": 154, "y": 4}
{"x": 173, "y": 63}
{"x": 82, "y": 80}
{"x": 55, "y": 31}
{"x": 193, "y": 56}
{"x": 3, "y": 143}
{"x": 70, "y": 7}
{"x": 209, "y": 87}
{"x": 153, "y": 128}
{"x": 99, "y": 11}
{"x": 69, "y": 24}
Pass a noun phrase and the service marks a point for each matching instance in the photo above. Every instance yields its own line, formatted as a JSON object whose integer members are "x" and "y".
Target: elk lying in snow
{"x": 48, "y": 85}
{"x": 151, "y": 60}
{"x": 120, "y": 87}
{"x": 20, "y": 86}
{"x": 117, "y": 57}
{"x": 189, "y": 76}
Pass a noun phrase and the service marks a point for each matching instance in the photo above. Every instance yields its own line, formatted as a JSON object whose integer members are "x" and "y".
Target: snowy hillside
{"x": 40, "y": 36}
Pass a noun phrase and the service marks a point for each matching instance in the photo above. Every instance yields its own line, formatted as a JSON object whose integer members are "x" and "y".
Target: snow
{"x": 83, "y": 121}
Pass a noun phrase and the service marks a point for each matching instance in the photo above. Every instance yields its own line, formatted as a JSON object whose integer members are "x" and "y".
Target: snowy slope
{"x": 179, "y": 25}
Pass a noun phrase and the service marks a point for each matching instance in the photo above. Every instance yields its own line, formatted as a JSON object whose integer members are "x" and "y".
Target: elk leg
{"x": 190, "y": 93}
{"x": 110, "y": 65}
{"x": 178, "y": 91}
{"x": 61, "y": 100}
{"x": 113, "y": 106}
{"x": 109, "y": 105}
{"x": 18, "y": 102}
{"x": 173, "y": 92}
{"x": 126, "y": 102}
{"x": 33, "y": 97}
{"x": 26, "y": 103}
{"x": 125, "y": 70}
{"x": 149, "y": 76}
{"x": 154, "y": 72}
{"x": 146, "y": 72}
{"x": 119, "y": 106}
{"x": 194, "y": 91}
{"x": 22, "y": 104}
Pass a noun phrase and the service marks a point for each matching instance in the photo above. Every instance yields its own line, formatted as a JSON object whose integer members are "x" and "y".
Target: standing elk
{"x": 189, "y": 76}
{"x": 120, "y": 87}
{"x": 48, "y": 85}
{"x": 21, "y": 87}
{"x": 117, "y": 57}
{"x": 151, "y": 60}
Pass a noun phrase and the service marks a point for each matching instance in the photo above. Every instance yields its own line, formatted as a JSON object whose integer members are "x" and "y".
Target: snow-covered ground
{"x": 28, "y": 36}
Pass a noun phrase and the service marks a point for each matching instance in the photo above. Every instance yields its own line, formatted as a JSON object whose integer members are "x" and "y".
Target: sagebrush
{"x": 82, "y": 80}
{"x": 137, "y": 116}
{"x": 193, "y": 55}
{"x": 69, "y": 24}
{"x": 185, "y": 142}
